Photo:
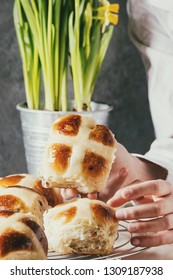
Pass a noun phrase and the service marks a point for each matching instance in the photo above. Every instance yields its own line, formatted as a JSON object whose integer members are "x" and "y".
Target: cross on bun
{"x": 79, "y": 154}
{"x": 24, "y": 200}
{"x": 21, "y": 237}
{"x": 82, "y": 226}
{"x": 53, "y": 196}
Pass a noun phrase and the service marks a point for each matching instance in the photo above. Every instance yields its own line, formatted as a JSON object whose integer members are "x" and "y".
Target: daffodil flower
{"x": 107, "y": 13}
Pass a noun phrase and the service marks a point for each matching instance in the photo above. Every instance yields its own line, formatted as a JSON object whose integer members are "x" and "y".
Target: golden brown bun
{"x": 26, "y": 180}
{"x": 21, "y": 237}
{"x": 81, "y": 226}
{"x": 24, "y": 200}
{"x": 79, "y": 154}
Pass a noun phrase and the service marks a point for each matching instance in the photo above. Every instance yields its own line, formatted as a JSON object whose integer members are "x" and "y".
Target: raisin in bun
{"x": 79, "y": 154}
{"x": 53, "y": 196}
{"x": 82, "y": 226}
{"x": 21, "y": 237}
{"x": 24, "y": 200}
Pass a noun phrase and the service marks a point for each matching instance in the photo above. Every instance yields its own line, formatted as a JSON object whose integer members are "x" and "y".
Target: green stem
{"x": 29, "y": 56}
{"x": 56, "y": 51}
{"x": 63, "y": 62}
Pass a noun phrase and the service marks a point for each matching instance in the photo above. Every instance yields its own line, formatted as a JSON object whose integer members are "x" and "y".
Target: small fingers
{"x": 154, "y": 225}
{"x": 89, "y": 195}
{"x": 156, "y": 188}
{"x": 115, "y": 183}
{"x": 92, "y": 195}
{"x": 69, "y": 193}
{"x": 152, "y": 240}
{"x": 143, "y": 200}
{"x": 161, "y": 207}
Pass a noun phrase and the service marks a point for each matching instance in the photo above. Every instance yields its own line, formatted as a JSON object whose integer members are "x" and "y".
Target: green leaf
{"x": 87, "y": 28}
{"x": 30, "y": 16}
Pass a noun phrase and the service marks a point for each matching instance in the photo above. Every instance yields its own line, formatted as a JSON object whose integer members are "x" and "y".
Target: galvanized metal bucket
{"x": 36, "y": 125}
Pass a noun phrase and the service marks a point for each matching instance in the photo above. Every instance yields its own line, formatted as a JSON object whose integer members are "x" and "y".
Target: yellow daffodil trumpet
{"x": 107, "y": 13}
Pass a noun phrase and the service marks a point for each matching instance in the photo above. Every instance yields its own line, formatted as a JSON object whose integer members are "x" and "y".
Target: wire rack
{"x": 122, "y": 248}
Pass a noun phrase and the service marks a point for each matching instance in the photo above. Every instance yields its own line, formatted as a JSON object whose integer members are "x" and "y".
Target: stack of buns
{"x": 24, "y": 200}
{"x": 53, "y": 196}
{"x": 21, "y": 237}
{"x": 79, "y": 154}
{"x": 22, "y": 205}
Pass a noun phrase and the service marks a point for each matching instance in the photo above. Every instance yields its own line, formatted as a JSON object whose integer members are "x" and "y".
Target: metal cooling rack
{"x": 122, "y": 248}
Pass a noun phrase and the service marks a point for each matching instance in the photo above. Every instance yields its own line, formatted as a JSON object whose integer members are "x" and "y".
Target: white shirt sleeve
{"x": 152, "y": 33}
{"x": 151, "y": 30}
{"x": 161, "y": 153}
{"x": 162, "y": 4}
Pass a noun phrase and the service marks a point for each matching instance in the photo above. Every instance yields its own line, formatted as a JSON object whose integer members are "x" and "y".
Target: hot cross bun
{"x": 21, "y": 237}
{"x": 79, "y": 154}
{"x": 24, "y": 200}
{"x": 53, "y": 196}
{"x": 82, "y": 226}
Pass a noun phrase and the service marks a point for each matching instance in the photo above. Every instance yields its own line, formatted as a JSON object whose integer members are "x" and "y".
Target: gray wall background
{"x": 121, "y": 83}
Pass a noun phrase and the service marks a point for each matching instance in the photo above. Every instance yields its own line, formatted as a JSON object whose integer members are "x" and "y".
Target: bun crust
{"x": 81, "y": 226}
{"x": 79, "y": 154}
{"x": 24, "y": 200}
{"x": 21, "y": 237}
{"x": 26, "y": 180}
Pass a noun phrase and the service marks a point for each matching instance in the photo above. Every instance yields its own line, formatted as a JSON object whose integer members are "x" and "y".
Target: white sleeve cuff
{"x": 161, "y": 153}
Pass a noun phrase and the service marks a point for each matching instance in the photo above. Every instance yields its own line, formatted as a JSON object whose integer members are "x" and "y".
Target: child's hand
{"x": 154, "y": 200}
{"x": 71, "y": 193}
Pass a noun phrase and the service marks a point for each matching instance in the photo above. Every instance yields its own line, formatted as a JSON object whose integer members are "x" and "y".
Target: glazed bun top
{"x": 81, "y": 226}
{"x": 21, "y": 237}
{"x": 33, "y": 182}
{"x": 79, "y": 154}
{"x": 24, "y": 200}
